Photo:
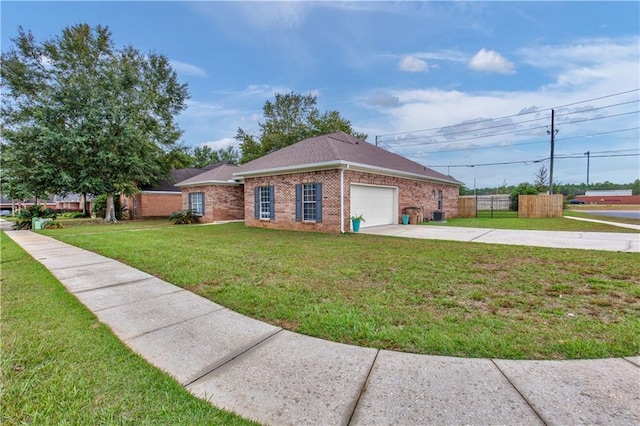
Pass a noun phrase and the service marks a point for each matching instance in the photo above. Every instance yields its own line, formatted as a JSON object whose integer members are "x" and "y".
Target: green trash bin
{"x": 36, "y": 223}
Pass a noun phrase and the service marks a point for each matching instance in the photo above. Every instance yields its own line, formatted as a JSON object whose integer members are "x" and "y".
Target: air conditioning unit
{"x": 437, "y": 216}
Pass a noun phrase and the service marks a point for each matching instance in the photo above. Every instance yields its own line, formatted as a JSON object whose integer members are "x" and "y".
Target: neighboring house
{"x": 214, "y": 195}
{"x": 16, "y": 204}
{"x": 73, "y": 202}
{"x": 160, "y": 200}
{"x": 318, "y": 183}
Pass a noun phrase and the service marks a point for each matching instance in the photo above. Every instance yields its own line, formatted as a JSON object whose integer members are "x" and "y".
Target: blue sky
{"x": 448, "y": 84}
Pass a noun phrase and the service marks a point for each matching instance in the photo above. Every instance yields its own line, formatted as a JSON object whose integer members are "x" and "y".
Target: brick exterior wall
{"x": 221, "y": 202}
{"x": 150, "y": 205}
{"x": 158, "y": 205}
{"x": 411, "y": 193}
{"x": 285, "y": 201}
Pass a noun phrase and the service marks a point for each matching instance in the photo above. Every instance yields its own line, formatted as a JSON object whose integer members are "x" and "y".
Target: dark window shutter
{"x": 272, "y": 202}
{"x": 190, "y": 206}
{"x": 298, "y": 202}
{"x": 318, "y": 202}
{"x": 256, "y": 202}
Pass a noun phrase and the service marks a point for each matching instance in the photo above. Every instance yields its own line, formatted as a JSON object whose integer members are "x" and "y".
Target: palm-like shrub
{"x": 184, "y": 217}
{"x": 25, "y": 216}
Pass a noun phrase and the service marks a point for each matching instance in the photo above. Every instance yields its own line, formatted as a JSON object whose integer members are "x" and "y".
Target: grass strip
{"x": 61, "y": 366}
{"x": 421, "y": 296}
{"x": 542, "y": 224}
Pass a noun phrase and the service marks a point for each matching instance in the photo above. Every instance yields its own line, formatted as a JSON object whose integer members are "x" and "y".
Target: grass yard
{"x": 543, "y": 224}
{"x": 60, "y": 366}
{"x": 578, "y": 213}
{"x": 421, "y": 296}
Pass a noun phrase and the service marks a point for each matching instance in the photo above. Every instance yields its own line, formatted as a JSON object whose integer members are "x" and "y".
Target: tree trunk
{"x": 83, "y": 198}
{"x": 110, "y": 214}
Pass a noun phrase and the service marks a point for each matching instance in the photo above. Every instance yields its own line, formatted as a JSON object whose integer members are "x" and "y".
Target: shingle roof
{"x": 179, "y": 175}
{"x": 339, "y": 149}
{"x": 222, "y": 173}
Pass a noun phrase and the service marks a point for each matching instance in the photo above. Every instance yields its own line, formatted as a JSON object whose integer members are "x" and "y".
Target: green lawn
{"x": 544, "y": 224}
{"x": 422, "y": 296}
{"x": 578, "y": 213}
{"x": 61, "y": 366}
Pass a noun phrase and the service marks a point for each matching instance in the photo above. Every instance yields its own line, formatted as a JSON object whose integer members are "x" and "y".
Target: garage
{"x": 377, "y": 204}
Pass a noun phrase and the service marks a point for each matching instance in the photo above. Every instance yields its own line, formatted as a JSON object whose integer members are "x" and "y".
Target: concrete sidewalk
{"x": 608, "y": 241}
{"x": 277, "y": 377}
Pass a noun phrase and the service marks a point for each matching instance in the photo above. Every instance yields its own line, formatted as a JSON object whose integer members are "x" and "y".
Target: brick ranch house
{"x": 162, "y": 199}
{"x": 318, "y": 184}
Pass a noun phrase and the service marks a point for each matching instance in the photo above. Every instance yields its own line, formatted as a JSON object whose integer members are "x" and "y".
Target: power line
{"x": 598, "y": 108}
{"x": 597, "y": 99}
{"x": 503, "y": 133}
{"x": 504, "y": 125}
{"x": 511, "y": 116}
{"x": 446, "y": 151}
{"x": 540, "y": 160}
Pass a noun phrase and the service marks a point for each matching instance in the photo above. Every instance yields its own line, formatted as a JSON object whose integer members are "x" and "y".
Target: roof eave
{"x": 341, "y": 164}
{"x": 400, "y": 173}
{"x": 207, "y": 182}
{"x": 333, "y": 164}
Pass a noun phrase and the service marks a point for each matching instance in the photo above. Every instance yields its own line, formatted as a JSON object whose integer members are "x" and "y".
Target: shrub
{"x": 25, "y": 216}
{"x": 52, "y": 225}
{"x": 522, "y": 189}
{"x": 184, "y": 217}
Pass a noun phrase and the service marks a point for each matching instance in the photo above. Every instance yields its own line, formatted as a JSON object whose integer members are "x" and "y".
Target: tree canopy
{"x": 289, "y": 119}
{"x": 205, "y": 155}
{"x": 80, "y": 115}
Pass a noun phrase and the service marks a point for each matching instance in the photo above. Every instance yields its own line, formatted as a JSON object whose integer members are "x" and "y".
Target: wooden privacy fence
{"x": 467, "y": 206}
{"x": 536, "y": 206}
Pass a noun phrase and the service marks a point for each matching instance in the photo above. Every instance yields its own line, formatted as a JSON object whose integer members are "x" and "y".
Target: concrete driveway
{"x": 609, "y": 241}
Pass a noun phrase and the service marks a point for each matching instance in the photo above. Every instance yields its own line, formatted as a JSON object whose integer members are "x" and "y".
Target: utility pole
{"x": 376, "y": 140}
{"x": 552, "y": 132}
{"x": 587, "y": 154}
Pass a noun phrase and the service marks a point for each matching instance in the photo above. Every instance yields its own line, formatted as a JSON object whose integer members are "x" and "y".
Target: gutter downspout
{"x": 342, "y": 199}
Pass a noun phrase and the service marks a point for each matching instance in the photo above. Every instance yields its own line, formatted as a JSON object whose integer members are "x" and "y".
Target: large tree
{"x": 290, "y": 119}
{"x": 205, "y": 155}
{"x": 79, "y": 115}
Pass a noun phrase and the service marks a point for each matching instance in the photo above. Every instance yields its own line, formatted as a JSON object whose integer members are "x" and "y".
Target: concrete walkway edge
{"x": 277, "y": 377}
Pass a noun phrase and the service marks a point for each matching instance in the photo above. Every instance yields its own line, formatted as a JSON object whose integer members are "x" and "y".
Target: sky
{"x": 466, "y": 88}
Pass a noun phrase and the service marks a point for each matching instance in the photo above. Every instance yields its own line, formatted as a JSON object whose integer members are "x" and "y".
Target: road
{"x": 628, "y": 214}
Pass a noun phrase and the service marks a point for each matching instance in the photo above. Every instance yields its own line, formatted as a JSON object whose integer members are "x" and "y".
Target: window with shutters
{"x": 309, "y": 202}
{"x": 264, "y": 202}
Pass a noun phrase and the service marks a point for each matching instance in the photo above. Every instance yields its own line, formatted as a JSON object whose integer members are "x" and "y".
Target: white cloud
{"x": 220, "y": 143}
{"x": 187, "y": 69}
{"x": 611, "y": 65}
{"x": 491, "y": 61}
{"x": 586, "y": 51}
{"x": 413, "y": 64}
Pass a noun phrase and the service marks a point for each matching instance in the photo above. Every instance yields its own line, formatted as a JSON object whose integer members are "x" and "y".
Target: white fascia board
{"x": 334, "y": 164}
{"x": 398, "y": 173}
{"x": 340, "y": 164}
{"x": 207, "y": 182}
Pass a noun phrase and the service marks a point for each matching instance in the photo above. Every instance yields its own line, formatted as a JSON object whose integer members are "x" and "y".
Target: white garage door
{"x": 377, "y": 204}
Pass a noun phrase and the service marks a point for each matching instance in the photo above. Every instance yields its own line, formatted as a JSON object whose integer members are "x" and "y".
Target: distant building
{"x": 615, "y": 196}
{"x": 609, "y": 193}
